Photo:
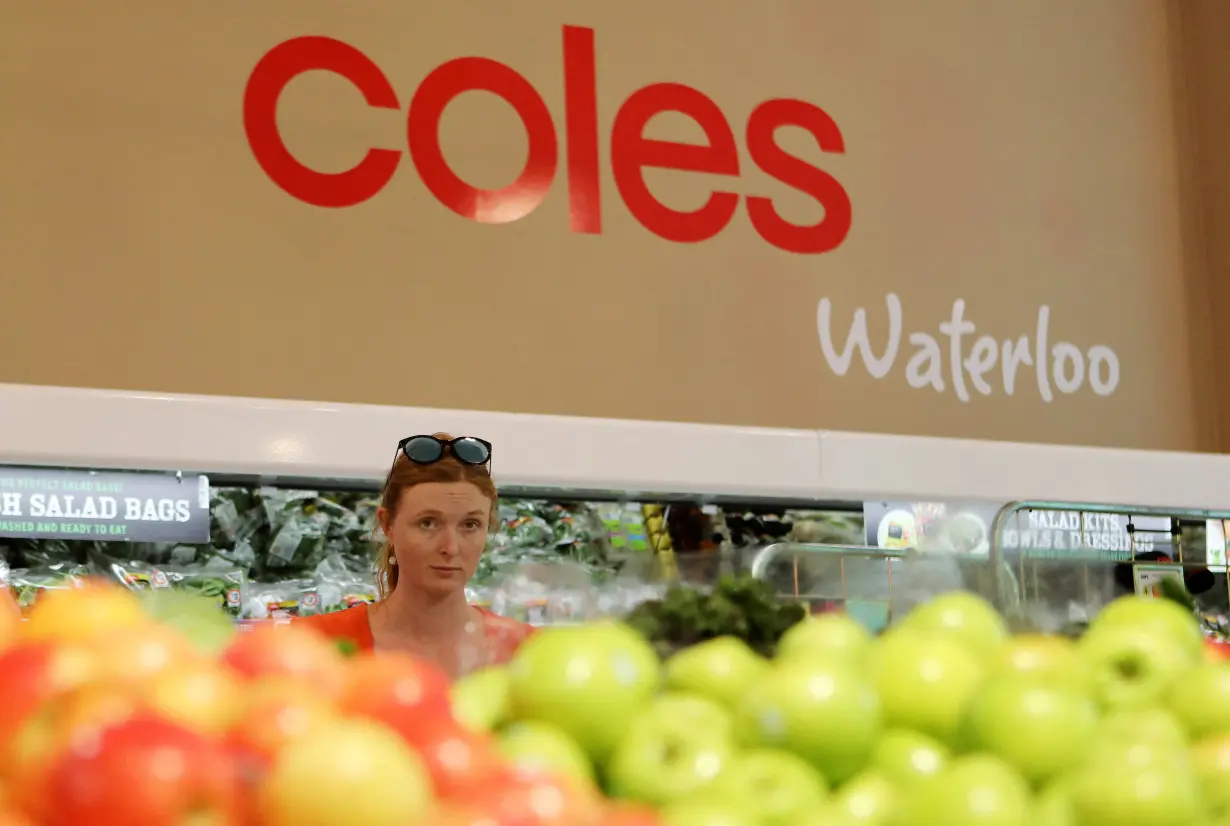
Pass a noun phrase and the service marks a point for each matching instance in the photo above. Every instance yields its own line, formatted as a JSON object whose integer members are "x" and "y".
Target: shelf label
{"x": 111, "y": 506}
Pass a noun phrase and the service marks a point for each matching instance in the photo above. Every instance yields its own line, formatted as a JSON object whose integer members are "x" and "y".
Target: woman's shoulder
{"x": 348, "y": 624}
{"x": 506, "y": 633}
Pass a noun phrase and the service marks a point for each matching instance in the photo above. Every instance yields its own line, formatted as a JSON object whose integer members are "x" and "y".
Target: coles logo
{"x": 628, "y": 151}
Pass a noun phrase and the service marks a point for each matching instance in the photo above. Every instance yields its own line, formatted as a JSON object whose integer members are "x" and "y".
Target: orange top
{"x": 504, "y": 636}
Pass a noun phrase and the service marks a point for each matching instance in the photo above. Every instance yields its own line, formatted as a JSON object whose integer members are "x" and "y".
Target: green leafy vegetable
{"x": 741, "y": 607}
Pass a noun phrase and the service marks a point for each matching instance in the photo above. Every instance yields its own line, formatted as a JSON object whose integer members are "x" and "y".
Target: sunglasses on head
{"x": 427, "y": 450}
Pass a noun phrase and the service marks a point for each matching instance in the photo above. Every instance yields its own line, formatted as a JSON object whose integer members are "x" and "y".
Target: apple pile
{"x": 118, "y": 709}
{"x": 115, "y": 709}
{"x": 945, "y": 720}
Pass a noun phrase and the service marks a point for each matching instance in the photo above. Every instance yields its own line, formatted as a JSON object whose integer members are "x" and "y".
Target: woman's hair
{"x": 404, "y": 475}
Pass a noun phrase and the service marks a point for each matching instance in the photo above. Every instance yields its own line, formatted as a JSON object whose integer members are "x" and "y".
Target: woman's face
{"x": 438, "y": 535}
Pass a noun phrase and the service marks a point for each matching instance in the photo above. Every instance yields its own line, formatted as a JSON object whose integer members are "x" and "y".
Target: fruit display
{"x": 152, "y": 709}
{"x": 946, "y": 718}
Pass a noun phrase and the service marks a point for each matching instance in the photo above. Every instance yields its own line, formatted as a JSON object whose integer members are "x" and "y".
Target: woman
{"x": 438, "y": 506}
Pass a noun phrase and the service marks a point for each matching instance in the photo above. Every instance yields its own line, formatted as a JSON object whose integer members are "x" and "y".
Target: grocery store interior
{"x": 792, "y": 413}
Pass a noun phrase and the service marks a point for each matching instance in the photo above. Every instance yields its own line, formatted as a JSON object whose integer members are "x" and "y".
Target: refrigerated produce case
{"x": 279, "y": 552}
{"x": 594, "y": 514}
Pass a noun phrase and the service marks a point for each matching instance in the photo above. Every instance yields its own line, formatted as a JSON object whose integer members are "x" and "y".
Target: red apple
{"x": 204, "y": 696}
{"x": 144, "y": 772}
{"x": 521, "y": 799}
{"x": 70, "y": 720}
{"x": 457, "y": 759}
{"x": 398, "y": 690}
{"x": 1216, "y": 651}
{"x": 10, "y": 618}
{"x": 130, "y": 657}
{"x": 276, "y": 713}
{"x": 622, "y": 813}
{"x": 290, "y": 651}
{"x": 32, "y": 677}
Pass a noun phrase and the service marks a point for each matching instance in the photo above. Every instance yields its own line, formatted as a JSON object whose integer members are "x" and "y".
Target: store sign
{"x": 964, "y": 529}
{"x": 989, "y": 365}
{"x": 819, "y": 219}
{"x": 631, "y": 153}
{"x": 40, "y": 503}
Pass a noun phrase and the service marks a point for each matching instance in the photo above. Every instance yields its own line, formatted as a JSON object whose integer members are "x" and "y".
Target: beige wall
{"x": 1008, "y": 155}
{"x": 1201, "y": 29}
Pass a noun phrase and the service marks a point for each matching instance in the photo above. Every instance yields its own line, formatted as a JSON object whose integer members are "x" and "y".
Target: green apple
{"x": 480, "y": 699}
{"x": 1053, "y": 805}
{"x": 826, "y": 712}
{"x": 1201, "y": 700}
{"x": 1154, "y": 725}
{"x": 1210, "y": 759}
{"x": 1136, "y": 782}
{"x": 677, "y": 745}
{"x": 905, "y": 757}
{"x": 824, "y": 636}
{"x": 975, "y": 790}
{"x": 721, "y": 669}
{"x": 705, "y": 813}
{"x": 1054, "y": 659}
{"x": 1174, "y": 621}
{"x": 1040, "y": 729}
{"x": 200, "y": 619}
{"x": 1132, "y": 666}
{"x": 963, "y": 616}
{"x": 565, "y": 675}
{"x": 541, "y": 747}
{"x": 829, "y": 815}
{"x": 777, "y": 786}
{"x": 869, "y": 799}
{"x": 925, "y": 682}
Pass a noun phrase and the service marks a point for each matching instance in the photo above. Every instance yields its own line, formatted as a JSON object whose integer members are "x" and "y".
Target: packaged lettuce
{"x": 298, "y": 526}
{"x": 226, "y": 585}
{"x": 343, "y": 582}
{"x": 546, "y": 593}
{"x": 281, "y": 600}
{"x": 232, "y": 515}
{"x": 240, "y": 555}
{"x": 339, "y": 594}
{"x": 45, "y": 553}
{"x": 522, "y": 525}
{"x": 133, "y": 574}
{"x": 28, "y": 584}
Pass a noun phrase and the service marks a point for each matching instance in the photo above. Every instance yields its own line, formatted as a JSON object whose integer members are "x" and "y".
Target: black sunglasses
{"x": 427, "y": 450}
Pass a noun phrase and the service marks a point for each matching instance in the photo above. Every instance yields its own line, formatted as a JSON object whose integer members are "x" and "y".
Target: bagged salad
{"x": 339, "y": 585}
{"x": 281, "y": 600}
{"x": 215, "y": 580}
{"x": 28, "y": 584}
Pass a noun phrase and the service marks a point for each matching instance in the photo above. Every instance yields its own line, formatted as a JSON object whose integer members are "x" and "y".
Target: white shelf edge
{"x": 263, "y": 437}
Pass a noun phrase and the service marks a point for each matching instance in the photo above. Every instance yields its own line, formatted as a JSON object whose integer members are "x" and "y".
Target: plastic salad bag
{"x": 338, "y": 586}
{"x": 28, "y": 584}
{"x": 281, "y": 600}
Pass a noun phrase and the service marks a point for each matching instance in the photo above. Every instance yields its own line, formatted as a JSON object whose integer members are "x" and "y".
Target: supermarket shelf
{"x": 919, "y": 468}
{"x": 282, "y": 440}
{"x": 271, "y": 439}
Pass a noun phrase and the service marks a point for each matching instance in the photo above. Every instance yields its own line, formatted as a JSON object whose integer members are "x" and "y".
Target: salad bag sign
{"x": 832, "y": 214}
{"x": 38, "y": 503}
